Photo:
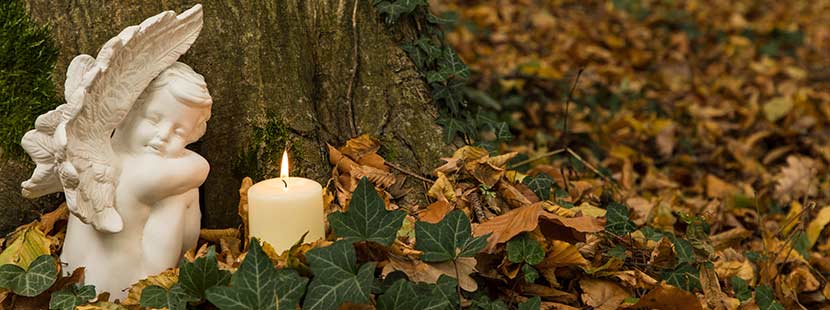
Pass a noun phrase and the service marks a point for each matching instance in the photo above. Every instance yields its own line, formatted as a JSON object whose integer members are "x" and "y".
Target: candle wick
{"x": 284, "y": 182}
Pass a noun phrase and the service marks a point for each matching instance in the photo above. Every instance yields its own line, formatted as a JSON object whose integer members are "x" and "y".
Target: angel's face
{"x": 163, "y": 125}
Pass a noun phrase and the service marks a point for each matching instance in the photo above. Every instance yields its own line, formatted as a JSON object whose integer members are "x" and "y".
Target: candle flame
{"x": 284, "y": 166}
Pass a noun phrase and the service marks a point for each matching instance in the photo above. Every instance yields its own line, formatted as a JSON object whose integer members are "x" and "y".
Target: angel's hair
{"x": 187, "y": 86}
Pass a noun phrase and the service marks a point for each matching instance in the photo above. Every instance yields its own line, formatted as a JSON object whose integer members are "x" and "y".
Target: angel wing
{"x": 71, "y": 145}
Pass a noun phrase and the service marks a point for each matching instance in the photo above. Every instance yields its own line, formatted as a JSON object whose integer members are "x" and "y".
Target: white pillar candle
{"x": 281, "y": 210}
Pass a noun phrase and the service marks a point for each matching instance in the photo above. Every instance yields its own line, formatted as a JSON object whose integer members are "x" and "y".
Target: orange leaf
{"x": 668, "y": 297}
{"x": 508, "y": 225}
{"x": 435, "y": 212}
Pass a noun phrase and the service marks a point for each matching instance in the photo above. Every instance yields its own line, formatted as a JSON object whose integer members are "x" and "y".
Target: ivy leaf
{"x": 337, "y": 279}
{"x": 452, "y": 128}
{"x": 741, "y": 288}
{"x": 685, "y": 276}
{"x": 40, "y": 276}
{"x": 175, "y": 298}
{"x": 394, "y": 9}
{"x": 530, "y": 273}
{"x": 617, "y": 219}
{"x": 523, "y": 248}
{"x": 534, "y": 303}
{"x": 766, "y": 299}
{"x": 367, "y": 219}
{"x": 201, "y": 274}
{"x": 683, "y": 250}
{"x": 404, "y": 296}
{"x": 539, "y": 184}
{"x": 71, "y": 297}
{"x": 450, "y": 94}
{"x": 449, "y": 239}
{"x": 258, "y": 285}
{"x": 484, "y": 303}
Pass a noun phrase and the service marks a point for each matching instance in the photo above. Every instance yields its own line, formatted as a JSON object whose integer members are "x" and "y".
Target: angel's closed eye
{"x": 154, "y": 118}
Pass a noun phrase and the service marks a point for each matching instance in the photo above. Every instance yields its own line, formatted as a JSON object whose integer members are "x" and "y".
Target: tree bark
{"x": 285, "y": 72}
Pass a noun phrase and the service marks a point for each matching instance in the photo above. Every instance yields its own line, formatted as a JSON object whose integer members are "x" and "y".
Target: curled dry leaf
{"x": 483, "y": 171}
{"x": 364, "y": 145}
{"x": 460, "y": 157}
{"x": 511, "y": 195}
{"x": 442, "y": 189}
{"x": 419, "y": 271}
{"x": 242, "y": 208}
{"x": 214, "y": 235}
{"x": 340, "y": 161}
{"x": 48, "y": 220}
{"x": 602, "y": 294}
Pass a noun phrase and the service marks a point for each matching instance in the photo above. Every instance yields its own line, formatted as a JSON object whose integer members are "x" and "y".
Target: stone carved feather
{"x": 72, "y": 145}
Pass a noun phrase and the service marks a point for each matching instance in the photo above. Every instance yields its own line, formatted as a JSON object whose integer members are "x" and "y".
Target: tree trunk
{"x": 281, "y": 73}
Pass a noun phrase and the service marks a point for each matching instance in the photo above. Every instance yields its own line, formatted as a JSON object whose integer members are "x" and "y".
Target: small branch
{"x": 414, "y": 175}
{"x": 355, "y": 62}
{"x": 568, "y": 104}
{"x": 524, "y": 162}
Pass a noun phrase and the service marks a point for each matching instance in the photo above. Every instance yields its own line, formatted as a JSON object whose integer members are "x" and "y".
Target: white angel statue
{"x": 116, "y": 148}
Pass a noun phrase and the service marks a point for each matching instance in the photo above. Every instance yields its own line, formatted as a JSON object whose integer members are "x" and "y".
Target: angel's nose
{"x": 164, "y": 132}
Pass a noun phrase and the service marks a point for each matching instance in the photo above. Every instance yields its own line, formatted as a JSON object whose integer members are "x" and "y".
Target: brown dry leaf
{"x": 579, "y": 224}
{"x": 506, "y": 226}
{"x": 166, "y": 279}
{"x": 242, "y": 208}
{"x": 662, "y": 256}
{"x": 435, "y": 212}
{"x": 668, "y": 297}
{"x": 501, "y": 160}
{"x": 590, "y": 210}
{"x": 374, "y": 161}
{"x": 741, "y": 269}
{"x": 48, "y": 220}
{"x": 562, "y": 254}
{"x": 511, "y": 195}
{"x": 547, "y": 292}
{"x": 634, "y": 278}
{"x": 460, "y": 157}
{"x": 214, "y": 235}
{"x": 817, "y": 225}
{"x": 641, "y": 207}
{"x": 484, "y": 172}
{"x": 351, "y": 306}
{"x": 718, "y": 188}
{"x": 802, "y": 279}
{"x": 357, "y": 148}
{"x": 797, "y": 179}
{"x": 665, "y": 140}
{"x": 342, "y": 163}
{"x": 192, "y": 254}
{"x": 602, "y": 294}
{"x": 420, "y": 271}
{"x": 442, "y": 189}
{"x": 377, "y": 176}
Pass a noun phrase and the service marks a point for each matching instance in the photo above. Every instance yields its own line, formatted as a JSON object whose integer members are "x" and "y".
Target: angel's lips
{"x": 154, "y": 148}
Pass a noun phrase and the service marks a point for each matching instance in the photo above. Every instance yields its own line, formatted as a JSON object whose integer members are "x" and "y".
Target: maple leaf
{"x": 337, "y": 280}
{"x": 258, "y": 285}
{"x": 366, "y": 218}
{"x": 449, "y": 239}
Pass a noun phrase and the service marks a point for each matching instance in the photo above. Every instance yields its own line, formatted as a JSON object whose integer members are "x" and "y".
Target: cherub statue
{"x": 116, "y": 148}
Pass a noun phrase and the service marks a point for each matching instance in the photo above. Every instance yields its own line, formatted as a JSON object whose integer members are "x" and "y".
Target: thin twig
{"x": 568, "y": 104}
{"x": 413, "y": 174}
{"x": 538, "y": 157}
{"x": 355, "y": 62}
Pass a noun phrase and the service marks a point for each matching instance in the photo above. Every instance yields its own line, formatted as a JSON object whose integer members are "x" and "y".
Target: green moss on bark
{"x": 27, "y": 57}
{"x": 260, "y": 159}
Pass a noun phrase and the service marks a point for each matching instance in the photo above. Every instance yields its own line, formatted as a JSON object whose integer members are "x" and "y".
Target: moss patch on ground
{"x": 27, "y": 57}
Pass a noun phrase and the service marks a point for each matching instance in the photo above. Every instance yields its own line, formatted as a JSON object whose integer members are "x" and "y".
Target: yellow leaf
{"x": 589, "y": 210}
{"x": 166, "y": 279}
{"x": 563, "y": 254}
{"x": 777, "y": 108}
{"x": 25, "y": 244}
{"x": 817, "y": 225}
{"x": 442, "y": 189}
{"x": 792, "y": 217}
